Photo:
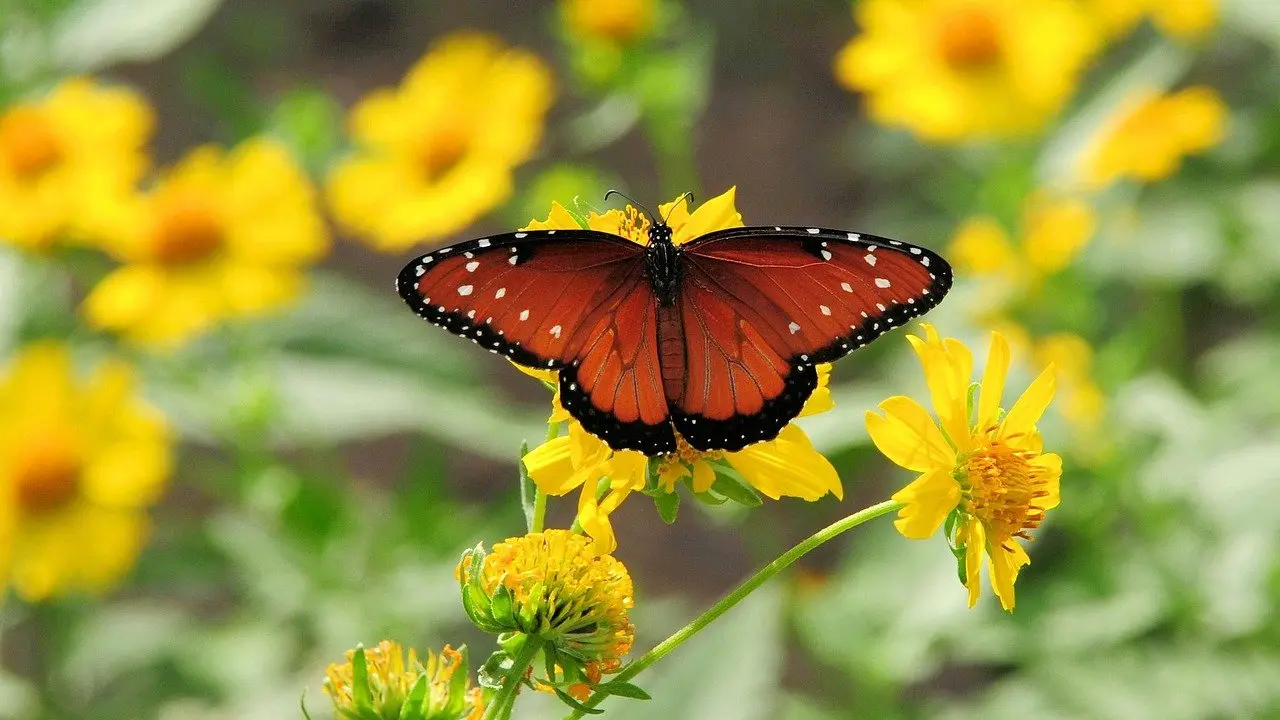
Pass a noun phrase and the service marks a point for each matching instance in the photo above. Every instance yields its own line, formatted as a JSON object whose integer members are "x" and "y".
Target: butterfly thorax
{"x": 662, "y": 264}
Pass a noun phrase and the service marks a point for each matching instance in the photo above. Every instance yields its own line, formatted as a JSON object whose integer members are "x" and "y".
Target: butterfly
{"x": 715, "y": 339}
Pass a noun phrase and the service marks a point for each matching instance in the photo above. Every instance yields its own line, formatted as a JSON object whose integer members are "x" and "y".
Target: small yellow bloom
{"x": 381, "y": 683}
{"x": 1052, "y": 234}
{"x": 438, "y": 152}
{"x": 787, "y": 465}
{"x": 988, "y": 471}
{"x": 950, "y": 70}
{"x": 66, "y": 158}
{"x": 615, "y": 21}
{"x": 564, "y": 592}
{"x": 1152, "y": 133}
{"x": 1082, "y": 402}
{"x": 219, "y": 237}
{"x": 80, "y": 461}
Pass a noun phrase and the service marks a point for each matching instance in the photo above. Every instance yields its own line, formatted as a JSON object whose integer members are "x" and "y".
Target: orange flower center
{"x": 443, "y": 151}
{"x": 1003, "y": 489}
{"x": 27, "y": 144}
{"x": 188, "y": 231}
{"x": 969, "y": 39}
{"x": 48, "y": 475}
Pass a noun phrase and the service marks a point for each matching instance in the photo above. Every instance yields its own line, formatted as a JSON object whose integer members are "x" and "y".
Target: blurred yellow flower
{"x": 437, "y": 152}
{"x": 787, "y": 465}
{"x": 1184, "y": 19}
{"x": 991, "y": 477}
{"x": 1081, "y": 401}
{"x": 1152, "y": 133}
{"x": 220, "y": 236}
{"x": 80, "y": 461}
{"x": 381, "y": 683}
{"x": 1051, "y": 235}
{"x": 66, "y": 158}
{"x": 616, "y": 21}
{"x": 951, "y": 70}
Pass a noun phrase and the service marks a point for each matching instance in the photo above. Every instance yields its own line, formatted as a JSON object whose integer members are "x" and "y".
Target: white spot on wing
{"x": 924, "y": 261}
{"x": 498, "y": 295}
{"x": 825, "y": 310}
{"x": 471, "y": 266}
{"x": 419, "y": 270}
{"x": 871, "y": 259}
{"x": 846, "y": 287}
{"x": 465, "y": 289}
{"x": 483, "y": 242}
{"x": 520, "y": 235}
{"x": 794, "y": 328}
{"x": 880, "y": 307}
{"x": 524, "y": 314}
{"x": 467, "y": 255}
{"x": 855, "y": 237}
{"x": 555, "y": 330}
{"x": 813, "y": 231}
{"x": 513, "y": 260}
{"x": 882, "y": 282}
{"x": 915, "y": 251}
{"x": 826, "y": 254}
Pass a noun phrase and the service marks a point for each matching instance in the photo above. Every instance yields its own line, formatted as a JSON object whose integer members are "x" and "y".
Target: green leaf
{"x": 668, "y": 505}
{"x": 528, "y": 491}
{"x": 623, "y": 689}
{"x": 733, "y": 486}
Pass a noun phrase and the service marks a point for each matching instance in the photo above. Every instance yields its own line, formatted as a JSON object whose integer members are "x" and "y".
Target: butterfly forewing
{"x": 571, "y": 299}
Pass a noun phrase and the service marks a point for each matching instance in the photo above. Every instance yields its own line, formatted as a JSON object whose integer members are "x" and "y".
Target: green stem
{"x": 505, "y": 699}
{"x": 746, "y": 588}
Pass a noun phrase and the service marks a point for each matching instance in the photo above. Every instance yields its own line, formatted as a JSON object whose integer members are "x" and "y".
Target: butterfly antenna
{"x": 642, "y": 208}
{"x": 687, "y": 196}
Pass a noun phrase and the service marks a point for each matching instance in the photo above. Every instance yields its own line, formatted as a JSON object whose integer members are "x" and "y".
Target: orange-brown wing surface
{"x": 761, "y": 306}
{"x": 575, "y": 300}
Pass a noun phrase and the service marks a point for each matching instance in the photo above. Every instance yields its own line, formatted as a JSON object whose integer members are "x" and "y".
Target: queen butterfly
{"x": 715, "y": 339}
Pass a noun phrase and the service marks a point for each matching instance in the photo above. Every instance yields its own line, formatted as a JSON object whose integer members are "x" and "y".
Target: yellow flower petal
{"x": 787, "y": 465}
{"x": 929, "y": 499}
{"x": 820, "y": 401}
{"x": 1006, "y": 561}
{"x": 594, "y": 522}
{"x": 704, "y": 476}
{"x": 718, "y": 213}
{"x": 1026, "y": 412}
{"x": 551, "y": 466}
{"x": 993, "y": 378}
{"x": 975, "y": 542}
{"x": 558, "y": 219}
{"x": 908, "y": 436}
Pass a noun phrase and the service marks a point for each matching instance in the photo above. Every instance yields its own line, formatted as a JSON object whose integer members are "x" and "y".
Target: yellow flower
{"x": 1152, "y": 133}
{"x": 220, "y": 236}
{"x": 990, "y": 475}
{"x": 950, "y": 70}
{"x": 1082, "y": 402}
{"x": 1052, "y": 234}
{"x": 615, "y": 21}
{"x": 66, "y": 158}
{"x": 1185, "y": 19}
{"x": 80, "y": 461}
{"x": 556, "y": 588}
{"x": 438, "y": 152}
{"x": 787, "y": 465}
{"x": 380, "y": 682}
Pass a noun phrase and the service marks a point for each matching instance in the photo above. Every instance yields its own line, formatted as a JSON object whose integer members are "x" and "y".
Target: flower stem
{"x": 505, "y": 699}
{"x": 746, "y": 588}
{"x": 540, "y": 497}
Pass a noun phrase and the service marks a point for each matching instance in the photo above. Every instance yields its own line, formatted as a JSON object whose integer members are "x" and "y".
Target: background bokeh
{"x": 265, "y": 459}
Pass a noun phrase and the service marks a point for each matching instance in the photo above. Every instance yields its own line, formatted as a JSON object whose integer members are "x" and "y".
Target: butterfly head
{"x": 660, "y": 233}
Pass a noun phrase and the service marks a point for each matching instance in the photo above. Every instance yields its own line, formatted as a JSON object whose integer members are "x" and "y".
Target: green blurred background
{"x": 334, "y": 454}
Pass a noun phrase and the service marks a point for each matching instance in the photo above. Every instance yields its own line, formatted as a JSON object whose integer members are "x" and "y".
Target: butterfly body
{"x": 715, "y": 339}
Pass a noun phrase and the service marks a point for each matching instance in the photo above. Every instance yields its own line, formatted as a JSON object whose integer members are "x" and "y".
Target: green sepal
{"x": 528, "y": 491}
{"x": 417, "y": 697}
{"x": 708, "y": 498}
{"x": 569, "y": 700}
{"x": 458, "y": 684}
{"x": 529, "y": 610}
{"x": 360, "y": 694}
{"x": 502, "y": 606}
{"x": 494, "y": 670}
{"x": 668, "y": 506}
{"x": 622, "y": 689}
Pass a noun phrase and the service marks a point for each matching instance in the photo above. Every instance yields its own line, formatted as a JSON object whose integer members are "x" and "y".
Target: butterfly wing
{"x": 760, "y": 306}
{"x": 574, "y": 300}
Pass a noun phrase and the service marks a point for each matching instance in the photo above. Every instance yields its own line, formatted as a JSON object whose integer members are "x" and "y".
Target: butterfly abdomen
{"x": 671, "y": 350}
